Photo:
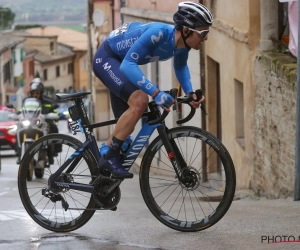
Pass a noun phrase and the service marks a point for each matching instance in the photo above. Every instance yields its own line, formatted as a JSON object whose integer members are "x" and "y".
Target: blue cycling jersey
{"x": 139, "y": 43}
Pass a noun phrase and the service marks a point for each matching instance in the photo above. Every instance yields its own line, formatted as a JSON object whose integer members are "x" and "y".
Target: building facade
{"x": 11, "y": 73}
{"x": 53, "y": 62}
{"x": 274, "y": 128}
{"x": 229, "y": 55}
{"x": 249, "y": 86}
{"x": 77, "y": 42}
{"x": 28, "y": 68}
{"x": 251, "y": 93}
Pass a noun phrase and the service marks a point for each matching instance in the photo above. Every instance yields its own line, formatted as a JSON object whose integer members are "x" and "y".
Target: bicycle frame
{"x": 132, "y": 153}
{"x": 157, "y": 122}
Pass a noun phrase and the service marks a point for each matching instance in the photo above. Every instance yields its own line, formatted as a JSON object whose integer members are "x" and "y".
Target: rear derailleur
{"x": 55, "y": 197}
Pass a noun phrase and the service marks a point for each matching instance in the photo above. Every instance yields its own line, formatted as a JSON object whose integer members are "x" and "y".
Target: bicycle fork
{"x": 173, "y": 152}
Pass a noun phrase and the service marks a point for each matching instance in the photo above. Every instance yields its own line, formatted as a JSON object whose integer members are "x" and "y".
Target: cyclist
{"x": 48, "y": 105}
{"x": 116, "y": 65}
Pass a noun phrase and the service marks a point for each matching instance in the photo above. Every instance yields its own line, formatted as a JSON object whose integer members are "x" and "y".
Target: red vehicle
{"x": 8, "y": 129}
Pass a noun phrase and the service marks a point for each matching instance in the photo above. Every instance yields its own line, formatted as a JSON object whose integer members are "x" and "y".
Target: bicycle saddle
{"x": 63, "y": 96}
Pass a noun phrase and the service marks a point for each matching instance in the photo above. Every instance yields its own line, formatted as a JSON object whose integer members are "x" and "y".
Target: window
{"x": 15, "y": 56}
{"x": 52, "y": 47}
{"x": 31, "y": 68}
{"x": 70, "y": 68}
{"x": 45, "y": 75}
{"x": 239, "y": 112}
{"x": 57, "y": 71}
{"x": 22, "y": 55}
{"x": 7, "y": 71}
{"x": 214, "y": 97}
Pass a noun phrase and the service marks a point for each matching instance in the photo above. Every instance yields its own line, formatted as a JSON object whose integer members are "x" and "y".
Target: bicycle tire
{"x": 33, "y": 203}
{"x": 159, "y": 173}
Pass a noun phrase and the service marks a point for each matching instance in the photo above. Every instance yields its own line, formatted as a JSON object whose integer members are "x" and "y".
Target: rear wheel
{"x": 45, "y": 205}
{"x": 208, "y": 190}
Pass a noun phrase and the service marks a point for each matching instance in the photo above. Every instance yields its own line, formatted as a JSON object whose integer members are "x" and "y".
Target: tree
{"x": 27, "y": 26}
{"x": 7, "y": 18}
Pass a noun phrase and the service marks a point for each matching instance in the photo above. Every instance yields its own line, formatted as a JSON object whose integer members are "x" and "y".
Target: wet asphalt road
{"x": 132, "y": 226}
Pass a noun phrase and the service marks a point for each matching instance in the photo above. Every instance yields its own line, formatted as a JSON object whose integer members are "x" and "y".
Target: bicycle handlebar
{"x": 181, "y": 99}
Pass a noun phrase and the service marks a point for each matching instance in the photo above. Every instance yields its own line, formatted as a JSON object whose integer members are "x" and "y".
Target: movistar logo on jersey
{"x": 157, "y": 38}
{"x": 127, "y": 43}
{"x": 142, "y": 82}
{"x": 107, "y": 67}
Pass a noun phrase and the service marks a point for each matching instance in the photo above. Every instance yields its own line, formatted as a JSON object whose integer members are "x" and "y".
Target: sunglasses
{"x": 202, "y": 33}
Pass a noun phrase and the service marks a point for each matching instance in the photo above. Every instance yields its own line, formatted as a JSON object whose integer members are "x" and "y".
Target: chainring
{"x": 112, "y": 199}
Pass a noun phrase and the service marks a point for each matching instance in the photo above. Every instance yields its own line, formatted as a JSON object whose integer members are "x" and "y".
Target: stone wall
{"x": 275, "y": 125}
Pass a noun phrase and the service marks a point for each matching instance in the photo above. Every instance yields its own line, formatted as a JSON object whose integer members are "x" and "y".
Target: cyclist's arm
{"x": 182, "y": 72}
{"x": 140, "y": 50}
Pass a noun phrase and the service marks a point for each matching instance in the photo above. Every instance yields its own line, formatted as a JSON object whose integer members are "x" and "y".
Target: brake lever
{"x": 199, "y": 96}
{"x": 202, "y": 106}
{"x": 175, "y": 106}
{"x": 173, "y": 93}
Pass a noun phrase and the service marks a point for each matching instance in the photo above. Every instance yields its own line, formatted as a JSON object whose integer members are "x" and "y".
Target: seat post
{"x": 82, "y": 111}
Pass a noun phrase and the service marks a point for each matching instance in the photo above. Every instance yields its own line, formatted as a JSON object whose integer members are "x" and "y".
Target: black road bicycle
{"x": 187, "y": 177}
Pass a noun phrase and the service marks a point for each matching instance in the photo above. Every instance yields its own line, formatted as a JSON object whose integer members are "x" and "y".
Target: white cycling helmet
{"x": 192, "y": 15}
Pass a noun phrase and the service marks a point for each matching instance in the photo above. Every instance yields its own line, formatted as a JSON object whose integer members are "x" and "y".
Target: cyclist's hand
{"x": 195, "y": 104}
{"x": 164, "y": 100}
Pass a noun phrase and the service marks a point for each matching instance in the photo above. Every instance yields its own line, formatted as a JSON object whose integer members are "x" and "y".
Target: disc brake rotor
{"x": 191, "y": 179}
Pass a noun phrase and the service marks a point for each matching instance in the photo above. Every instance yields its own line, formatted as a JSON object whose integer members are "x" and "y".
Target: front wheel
{"x": 209, "y": 180}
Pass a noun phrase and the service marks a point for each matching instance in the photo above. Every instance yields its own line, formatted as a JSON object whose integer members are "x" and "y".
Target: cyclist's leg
{"x": 106, "y": 67}
{"x": 118, "y": 105}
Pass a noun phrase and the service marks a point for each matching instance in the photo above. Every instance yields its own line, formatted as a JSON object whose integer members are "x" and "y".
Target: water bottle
{"x": 103, "y": 149}
{"x": 126, "y": 144}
